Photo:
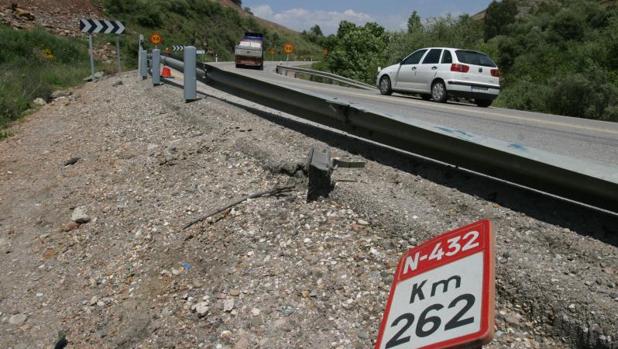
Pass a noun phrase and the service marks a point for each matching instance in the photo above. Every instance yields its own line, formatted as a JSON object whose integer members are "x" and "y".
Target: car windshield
{"x": 476, "y": 58}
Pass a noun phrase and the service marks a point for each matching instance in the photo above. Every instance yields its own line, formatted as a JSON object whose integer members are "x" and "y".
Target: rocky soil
{"x": 58, "y": 16}
{"x": 95, "y": 189}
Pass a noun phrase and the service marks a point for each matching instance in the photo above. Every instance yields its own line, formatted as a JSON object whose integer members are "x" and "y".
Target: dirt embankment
{"x": 60, "y": 17}
{"x": 96, "y": 187}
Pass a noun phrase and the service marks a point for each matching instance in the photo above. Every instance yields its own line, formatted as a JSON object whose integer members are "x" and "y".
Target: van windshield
{"x": 473, "y": 57}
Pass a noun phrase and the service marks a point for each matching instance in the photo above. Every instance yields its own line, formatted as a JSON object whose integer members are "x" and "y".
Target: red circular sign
{"x": 288, "y": 48}
{"x": 156, "y": 38}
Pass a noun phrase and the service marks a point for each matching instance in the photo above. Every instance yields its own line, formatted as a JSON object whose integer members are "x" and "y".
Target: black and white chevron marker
{"x": 177, "y": 48}
{"x": 92, "y": 26}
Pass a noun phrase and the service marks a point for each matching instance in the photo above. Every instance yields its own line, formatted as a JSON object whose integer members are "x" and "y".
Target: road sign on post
{"x": 443, "y": 293}
{"x": 288, "y": 49}
{"x": 93, "y": 26}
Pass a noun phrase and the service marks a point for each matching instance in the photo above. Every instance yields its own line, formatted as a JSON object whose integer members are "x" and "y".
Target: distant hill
{"x": 526, "y": 5}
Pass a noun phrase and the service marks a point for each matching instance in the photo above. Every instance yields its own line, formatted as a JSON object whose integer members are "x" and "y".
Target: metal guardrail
{"x": 282, "y": 69}
{"x": 558, "y": 175}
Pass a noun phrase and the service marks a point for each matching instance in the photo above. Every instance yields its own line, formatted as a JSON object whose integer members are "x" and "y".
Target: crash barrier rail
{"x": 283, "y": 69}
{"x": 572, "y": 179}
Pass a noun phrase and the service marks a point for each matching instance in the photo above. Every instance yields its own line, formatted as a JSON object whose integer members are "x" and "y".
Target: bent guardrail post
{"x": 190, "y": 82}
{"x": 156, "y": 67}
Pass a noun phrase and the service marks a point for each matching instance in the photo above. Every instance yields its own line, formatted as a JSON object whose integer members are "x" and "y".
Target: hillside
{"x": 525, "y": 6}
{"x": 216, "y": 25}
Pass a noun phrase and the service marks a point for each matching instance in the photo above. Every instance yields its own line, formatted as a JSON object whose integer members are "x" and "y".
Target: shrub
{"x": 33, "y": 64}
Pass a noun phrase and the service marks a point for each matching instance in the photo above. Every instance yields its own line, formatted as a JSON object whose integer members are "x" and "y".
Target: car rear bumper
{"x": 472, "y": 90}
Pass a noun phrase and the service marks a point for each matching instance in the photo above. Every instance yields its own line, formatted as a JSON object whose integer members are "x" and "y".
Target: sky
{"x": 392, "y": 14}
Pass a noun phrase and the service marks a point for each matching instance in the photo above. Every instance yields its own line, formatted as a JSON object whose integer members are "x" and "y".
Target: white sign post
{"x": 443, "y": 293}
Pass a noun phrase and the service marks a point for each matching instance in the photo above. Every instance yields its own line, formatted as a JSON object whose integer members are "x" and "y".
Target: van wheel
{"x": 385, "y": 86}
{"x": 484, "y": 103}
{"x": 438, "y": 91}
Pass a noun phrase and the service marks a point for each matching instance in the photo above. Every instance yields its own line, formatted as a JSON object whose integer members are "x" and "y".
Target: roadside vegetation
{"x": 32, "y": 65}
{"x": 558, "y": 57}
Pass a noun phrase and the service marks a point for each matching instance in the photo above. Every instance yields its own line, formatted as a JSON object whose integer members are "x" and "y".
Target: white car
{"x": 439, "y": 73}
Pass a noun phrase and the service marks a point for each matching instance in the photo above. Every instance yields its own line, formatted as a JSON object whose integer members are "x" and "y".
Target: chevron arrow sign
{"x": 92, "y": 26}
{"x": 177, "y": 48}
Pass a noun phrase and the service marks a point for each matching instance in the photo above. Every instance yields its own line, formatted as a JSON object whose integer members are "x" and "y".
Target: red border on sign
{"x": 485, "y": 334}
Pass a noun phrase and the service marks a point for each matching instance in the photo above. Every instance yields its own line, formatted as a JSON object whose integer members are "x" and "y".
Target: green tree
{"x": 498, "y": 16}
{"x": 414, "y": 23}
{"x": 316, "y": 31}
{"x": 358, "y": 51}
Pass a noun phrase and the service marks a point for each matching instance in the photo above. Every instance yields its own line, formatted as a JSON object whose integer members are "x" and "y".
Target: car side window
{"x": 447, "y": 57}
{"x": 414, "y": 58}
{"x": 433, "y": 56}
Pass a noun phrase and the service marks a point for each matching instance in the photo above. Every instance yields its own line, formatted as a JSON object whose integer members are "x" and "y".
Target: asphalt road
{"x": 589, "y": 140}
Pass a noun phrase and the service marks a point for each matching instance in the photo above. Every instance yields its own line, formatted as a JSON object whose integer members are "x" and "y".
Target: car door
{"x": 427, "y": 70}
{"x": 407, "y": 71}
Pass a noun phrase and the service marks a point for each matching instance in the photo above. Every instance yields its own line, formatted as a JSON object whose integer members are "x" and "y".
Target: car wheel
{"x": 385, "y": 86}
{"x": 438, "y": 91}
{"x": 425, "y": 96}
{"x": 484, "y": 103}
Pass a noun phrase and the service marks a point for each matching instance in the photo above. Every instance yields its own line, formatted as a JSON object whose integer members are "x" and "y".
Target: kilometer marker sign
{"x": 443, "y": 293}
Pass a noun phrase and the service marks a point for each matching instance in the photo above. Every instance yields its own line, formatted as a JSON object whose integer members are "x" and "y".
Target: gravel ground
{"x": 133, "y": 165}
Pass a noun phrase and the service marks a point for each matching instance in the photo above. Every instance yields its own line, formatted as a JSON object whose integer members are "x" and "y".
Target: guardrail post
{"x": 143, "y": 64}
{"x": 156, "y": 67}
{"x": 190, "y": 82}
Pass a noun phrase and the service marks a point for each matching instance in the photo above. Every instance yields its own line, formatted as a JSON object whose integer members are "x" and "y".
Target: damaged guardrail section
{"x": 569, "y": 178}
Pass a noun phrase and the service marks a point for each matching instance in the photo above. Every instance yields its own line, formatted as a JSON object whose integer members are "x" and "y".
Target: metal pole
{"x": 140, "y": 57}
{"x": 91, "y": 56}
{"x": 190, "y": 82}
{"x": 156, "y": 67}
{"x": 118, "y": 53}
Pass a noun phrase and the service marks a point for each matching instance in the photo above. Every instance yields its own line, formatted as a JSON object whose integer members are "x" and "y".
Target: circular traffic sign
{"x": 288, "y": 48}
{"x": 155, "y": 38}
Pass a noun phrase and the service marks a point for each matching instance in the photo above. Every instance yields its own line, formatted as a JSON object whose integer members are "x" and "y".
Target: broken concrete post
{"x": 319, "y": 169}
